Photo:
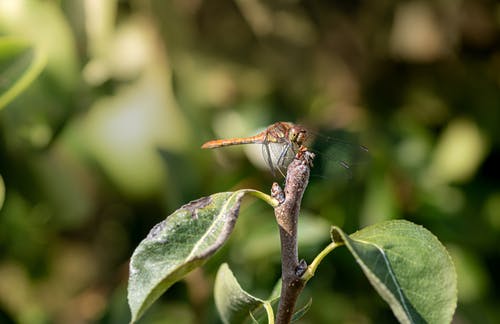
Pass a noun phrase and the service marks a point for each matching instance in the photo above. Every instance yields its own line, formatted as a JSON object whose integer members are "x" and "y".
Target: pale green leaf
{"x": 233, "y": 303}
{"x": 409, "y": 268}
{"x": 182, "y": 242}
{"x": 253, "y": 319}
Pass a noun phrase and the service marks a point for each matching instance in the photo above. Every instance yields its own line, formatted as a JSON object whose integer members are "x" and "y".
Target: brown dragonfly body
{"x": 288, "y": 137}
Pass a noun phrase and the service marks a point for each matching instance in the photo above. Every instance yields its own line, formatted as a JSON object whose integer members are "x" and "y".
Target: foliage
{"x": 405, "y": 263}
{"x": 103, "y": 142}
{"x": 183, "y": 241}
{"x": 408, "y": 267}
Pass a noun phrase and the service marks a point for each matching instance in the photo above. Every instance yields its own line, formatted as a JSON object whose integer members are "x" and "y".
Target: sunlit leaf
{"x": 409, "y": 268}
{"x": 182, "y": 242}
{"x": 20, "y": 64}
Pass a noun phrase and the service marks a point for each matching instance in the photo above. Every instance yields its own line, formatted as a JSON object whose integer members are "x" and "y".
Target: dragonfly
{"x": 280, "y": 142}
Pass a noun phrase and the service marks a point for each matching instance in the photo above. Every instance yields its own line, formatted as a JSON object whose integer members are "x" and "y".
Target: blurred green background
{"x": 104, "y": 143}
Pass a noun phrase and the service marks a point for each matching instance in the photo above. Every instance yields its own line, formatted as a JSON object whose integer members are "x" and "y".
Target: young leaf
{"x": 302, "y": 311}
{"x": 182, "y": 242}
{"x": 409, "y": 268}
{"x": 20, "y": 64}
{"x": 233, "y": 303}
{"x": 275, "y": 293}
{"x": 237, "y": 306}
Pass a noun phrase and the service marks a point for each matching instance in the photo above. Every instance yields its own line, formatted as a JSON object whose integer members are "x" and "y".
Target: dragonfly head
{"x": 297, "y": 135}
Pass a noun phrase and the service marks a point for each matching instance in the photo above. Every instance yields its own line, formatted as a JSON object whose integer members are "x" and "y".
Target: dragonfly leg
{"x": 281, "y": 158}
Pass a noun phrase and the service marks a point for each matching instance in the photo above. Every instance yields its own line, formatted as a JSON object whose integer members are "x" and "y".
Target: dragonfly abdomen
{"x": 234, "y": 141}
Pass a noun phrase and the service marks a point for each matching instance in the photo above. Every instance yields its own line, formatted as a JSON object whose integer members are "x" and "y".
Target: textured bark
{"x": 287, "y": 214}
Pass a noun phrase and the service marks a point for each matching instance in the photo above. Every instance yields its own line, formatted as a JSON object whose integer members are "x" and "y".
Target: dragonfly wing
{"x": 339, "y": 155}
{"x": 279, "y": 155}
{"x": 268, "y": 157}
{"x": 277, "y": 149}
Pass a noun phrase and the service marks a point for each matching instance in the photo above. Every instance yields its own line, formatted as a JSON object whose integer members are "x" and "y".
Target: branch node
{"x": 277, "y": 193}
{"x": 301, "y": 268}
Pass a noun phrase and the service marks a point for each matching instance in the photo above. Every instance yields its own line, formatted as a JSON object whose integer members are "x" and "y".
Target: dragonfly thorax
{"x": 297, "y": 135}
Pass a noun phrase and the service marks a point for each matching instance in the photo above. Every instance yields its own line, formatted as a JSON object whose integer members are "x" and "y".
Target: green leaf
{"x": 409, "y": 268}
{"x": 182, "y": 242}
{"x": 20, "y": 64}
{"x": 253, "y": 319}
{"x": 233, "y": 303}
{"x": 276, "y": 292}
{"x": 302, "y": 311}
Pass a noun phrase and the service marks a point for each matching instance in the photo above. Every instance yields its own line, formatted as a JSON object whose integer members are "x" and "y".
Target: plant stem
{"x": 273, "y": 202}
{"x": 270, "y": 313}
{"x": 311, "y": 269}
{"x": 287, "y": 214}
